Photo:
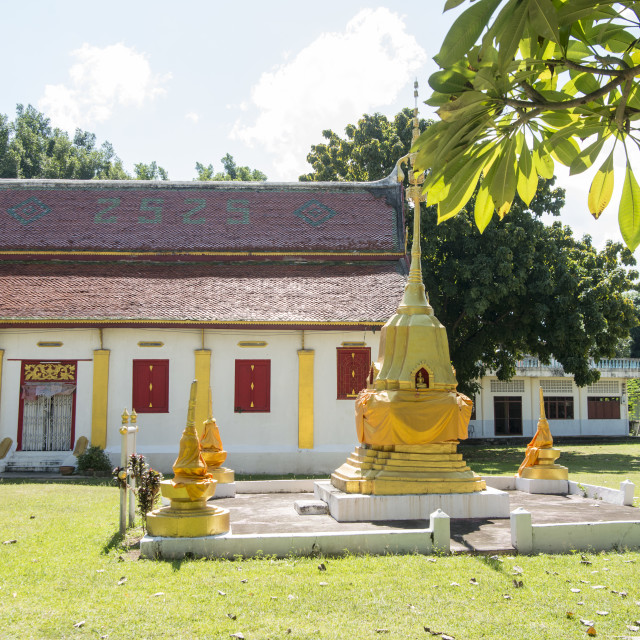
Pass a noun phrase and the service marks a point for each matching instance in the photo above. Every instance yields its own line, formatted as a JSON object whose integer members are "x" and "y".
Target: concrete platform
{"x": 356, "y": 507}
{"x": 274, "y": 513}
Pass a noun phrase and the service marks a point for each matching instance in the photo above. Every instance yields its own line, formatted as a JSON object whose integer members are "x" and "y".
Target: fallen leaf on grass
{"x": 238, "y": 635}
{"x": 598, "y": 586}
{"x": 122, "y": 581}
{"x": 633, "y": 627}
{"x": 274, "y": 597}
{"x": 233, "y": 616}
{"x": 291, "y": 597}
{"x": 574, "y": 590}
{"x": 99, "y": 570}
{"x": 221, "y": 593}
{"x": 244, "y": 580}
{"x": 446, "y": 637}
{"x": 473, "y": 581}
{"x": 585, "y": 581}
{"x": 431, "y": 559}
{"x": 77, "y": 625}
{"x": 517, "y": 570}
{"x": 570, "y": 615}
{"x": 506, "y": 596}
{"x": 591, "y": 631}
{"x": 322, "y": 567}
{"x": 157, "y": 595}
{"x": 382, "y": 630}
{"x": 454, "y": 584}
{"x": 580, "y": 602}
{"x": 587, "y": 623}
{"x": 518, "y": 584}
{"x": 9, "y": 542}
{"x": 602, "y": 613}
{"x": 32, "y": 517}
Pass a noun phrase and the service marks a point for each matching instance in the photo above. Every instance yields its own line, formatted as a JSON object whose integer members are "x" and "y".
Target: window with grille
{"x": 253, "y": 386}
{"x": 558, "y": 407}
{"x": 603, "y": 408}
{"x": 150, "y": 386}
{"x": 511, "y": 386}
{"x": 604, "y": 386}
{"x": 556, "y": 386}
{"x": 353, "y": 370}
{"x": 507, "y": 415}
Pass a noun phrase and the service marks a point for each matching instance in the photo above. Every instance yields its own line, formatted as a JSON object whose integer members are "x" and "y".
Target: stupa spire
{"x": 415, "y": 298}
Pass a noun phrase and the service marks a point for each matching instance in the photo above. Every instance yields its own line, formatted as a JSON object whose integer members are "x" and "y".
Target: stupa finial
{"x": 415, "y": 298}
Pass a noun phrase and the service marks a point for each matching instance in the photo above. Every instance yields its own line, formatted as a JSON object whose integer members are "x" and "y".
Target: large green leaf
{"x": 452, "y": 4}
{"x": 544, "y": 19}
{"x": 502, "y": 177}
{"x": 574, "y": 10}
{"x": 484, "y": 208}
{"x": 586, "y": 157}
{"x": 509, "y": 37}
{"x": 465, "y": 31}
{"x": 565, "y": 150}
{"x": 469, "y": 101}
{"x": 527, "y": 181}
{"x": 601, "y": 188}
{"x": 586, "y": 83}
{"x": 543, "y": 162}
{"x": 629, "y": 212}
{"x": 449, "y": 81}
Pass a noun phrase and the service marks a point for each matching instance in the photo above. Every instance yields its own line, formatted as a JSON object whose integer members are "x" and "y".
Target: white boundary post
{"x": 133, "y": 430}
{"x": 123, "y": 476}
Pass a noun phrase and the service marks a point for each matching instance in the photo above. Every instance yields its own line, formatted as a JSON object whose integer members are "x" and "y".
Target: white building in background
{"x": 511, "y": 409}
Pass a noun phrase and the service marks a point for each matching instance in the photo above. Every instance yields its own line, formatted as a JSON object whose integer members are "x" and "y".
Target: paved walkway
{"x": 275, "y": 513}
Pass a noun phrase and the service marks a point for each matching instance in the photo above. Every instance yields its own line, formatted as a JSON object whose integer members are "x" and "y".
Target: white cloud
{"x": 193, "y": 116}
{"x": 333, "y": 81}
{"x": 100, "y": 80}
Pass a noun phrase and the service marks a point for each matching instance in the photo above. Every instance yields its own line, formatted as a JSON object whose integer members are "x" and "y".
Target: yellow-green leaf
{"x": 565, "y": 150}
{"x": 629, "y": 212}
{"x": 483, "y": 211}
{"x": 586, "y": 157}
{"x": 502, "y": 179}
{"x": 543, "y": 163}
{"x": 527, "y": 182}
{"x": 544, "y": 19}
{"x": 462, "y": 187}
{"x": 601, "y": 188}
{"x": 437, "y": 192}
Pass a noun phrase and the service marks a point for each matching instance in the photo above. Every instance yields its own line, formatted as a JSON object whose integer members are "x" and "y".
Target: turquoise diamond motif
{"x": 29, "y": 211}
{"x": 314, "y": 213}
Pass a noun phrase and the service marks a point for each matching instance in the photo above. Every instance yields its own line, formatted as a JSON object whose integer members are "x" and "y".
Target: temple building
{"x": 117, "y": 295}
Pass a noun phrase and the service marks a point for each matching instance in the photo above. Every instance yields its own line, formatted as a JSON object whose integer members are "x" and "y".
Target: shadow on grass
{"x": 116, "y": 540}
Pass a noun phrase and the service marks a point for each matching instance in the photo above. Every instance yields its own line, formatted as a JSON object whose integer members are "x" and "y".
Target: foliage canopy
{"x": 521, "y": 288}
{"x": 526, "y": 82}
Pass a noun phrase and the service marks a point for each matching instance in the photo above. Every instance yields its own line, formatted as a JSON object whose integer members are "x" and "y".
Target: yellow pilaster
{"x": 305, "y": 398}
{"x": 100, "y": 395}
{"x": 203, "y": 376}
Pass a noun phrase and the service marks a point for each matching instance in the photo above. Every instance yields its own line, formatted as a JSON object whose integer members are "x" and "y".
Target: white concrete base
{"x": 536, "y": 485}
{"x": 356, "y": 507}
{"x": 565, "y": 537}
{"x": 436, "y": 538}
{"x": 224, "y": 490}
{"x": 622, "y": 496}
{"x": 298, "y": 485}
{"x": 311, "y": 507}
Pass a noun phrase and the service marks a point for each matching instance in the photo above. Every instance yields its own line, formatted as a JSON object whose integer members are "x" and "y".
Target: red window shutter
{"x": 253, "y": 386}
{"x": 150, "y": 386}
{"x": 353, "y": 370}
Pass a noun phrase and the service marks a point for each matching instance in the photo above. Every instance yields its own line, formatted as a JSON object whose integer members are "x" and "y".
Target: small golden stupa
{"x": 211, "y": 448}
{"x": 411, "y": 419}
{"x": 540, "y": 457}
{"x": 189, "y": 515}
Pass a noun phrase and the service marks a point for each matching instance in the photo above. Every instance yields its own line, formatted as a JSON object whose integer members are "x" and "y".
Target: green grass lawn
{"x": 68, "y": 564}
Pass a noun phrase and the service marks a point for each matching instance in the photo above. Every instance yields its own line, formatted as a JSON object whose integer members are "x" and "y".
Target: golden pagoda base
{"x": 545, "y": 467}
{"x": 222, "y": 475}
{"x": 407, "y": 469}
{"x": 187, "y": 517}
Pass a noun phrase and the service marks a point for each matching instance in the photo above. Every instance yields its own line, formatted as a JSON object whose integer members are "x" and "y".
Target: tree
{"x": 232, "y": 172}
{"x": 521, "y": 288}
{"x": 369, "y": 151}
{"x": 524, "y": 82}
{"x": 31, "y": 148}
{"x": 150, "y": 171}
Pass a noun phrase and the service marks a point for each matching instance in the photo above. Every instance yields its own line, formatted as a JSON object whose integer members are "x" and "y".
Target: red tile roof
{"x": 103, "y": 216}
{"x": 95, "y": 294}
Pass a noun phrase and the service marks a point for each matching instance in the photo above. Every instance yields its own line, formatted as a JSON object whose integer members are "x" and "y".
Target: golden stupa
{"x": 211, "y": 449}
{"x": 189, "y": 515}
{"x": 540, "y": 457}
{"x": 411, "y": 419}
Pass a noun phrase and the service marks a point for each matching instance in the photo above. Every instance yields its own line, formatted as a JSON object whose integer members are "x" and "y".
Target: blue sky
{"x": 191, "y": 81}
